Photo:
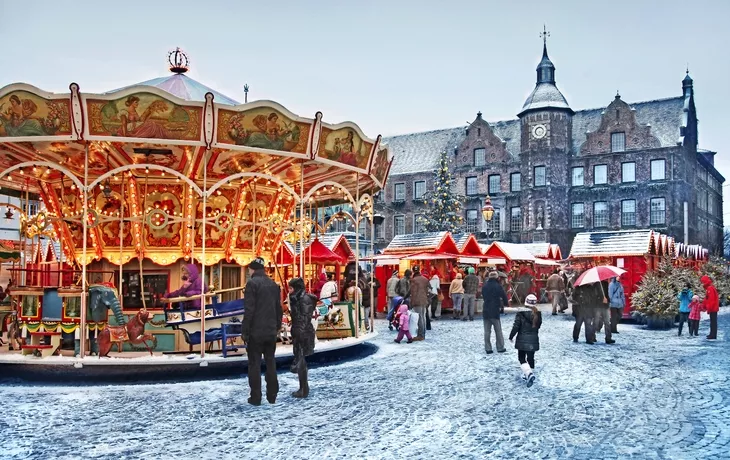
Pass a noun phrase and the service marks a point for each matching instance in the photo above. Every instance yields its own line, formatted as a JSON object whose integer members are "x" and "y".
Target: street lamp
{"x": 488, "y": 209}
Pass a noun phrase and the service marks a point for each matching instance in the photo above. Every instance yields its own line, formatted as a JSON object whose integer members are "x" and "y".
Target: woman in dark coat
{"x": 526, "y": 326}
{"x": 301, "y": 309}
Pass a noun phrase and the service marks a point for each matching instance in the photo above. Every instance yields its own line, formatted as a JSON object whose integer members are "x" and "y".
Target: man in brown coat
{"x": 419, "y": 301}
{"x": 555, "y": 287}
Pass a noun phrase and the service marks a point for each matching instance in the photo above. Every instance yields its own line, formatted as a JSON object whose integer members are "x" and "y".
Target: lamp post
{"x": 488, "y": 209}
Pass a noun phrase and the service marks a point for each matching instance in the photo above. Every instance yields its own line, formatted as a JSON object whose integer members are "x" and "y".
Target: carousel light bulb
{"x": 22, "y": 173}
{"x": 146, "y": 170}
{"x": 163, "y": 173}
{"x": 48, "y": 171}
{"x": 177, "y": 179}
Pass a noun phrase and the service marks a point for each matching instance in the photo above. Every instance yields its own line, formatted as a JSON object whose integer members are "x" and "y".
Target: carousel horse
{"x": 102, "y": 298}
{"x": 15, "y": 342}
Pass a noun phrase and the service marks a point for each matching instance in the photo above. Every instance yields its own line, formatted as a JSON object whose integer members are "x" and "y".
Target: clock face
{"x": 539, "y": 131}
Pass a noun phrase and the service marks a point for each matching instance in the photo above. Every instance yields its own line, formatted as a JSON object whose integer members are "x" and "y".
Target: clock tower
{"x": 546, "y": 125}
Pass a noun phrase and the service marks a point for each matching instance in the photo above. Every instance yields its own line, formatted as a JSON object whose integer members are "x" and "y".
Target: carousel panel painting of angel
{"x": 24, "y": 114}
{"x": 144, "y": 115}
{"x": 347, "y": 147}
{"x": 263, "y": 128}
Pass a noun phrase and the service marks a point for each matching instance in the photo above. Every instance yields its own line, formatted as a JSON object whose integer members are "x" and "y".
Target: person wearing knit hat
{"x": 526, "y": 326}
{"x": 260, "y": 328}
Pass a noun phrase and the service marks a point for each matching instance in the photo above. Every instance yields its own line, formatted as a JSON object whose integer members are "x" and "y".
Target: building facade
{"x": 555, "y": 171}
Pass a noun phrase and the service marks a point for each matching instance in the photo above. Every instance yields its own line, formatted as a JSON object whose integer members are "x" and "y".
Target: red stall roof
{"x": 318, "y": 253}
{"x": 509, "y": 251}
{"x": 436, "y": 242}
{"x": 468, "y": 245}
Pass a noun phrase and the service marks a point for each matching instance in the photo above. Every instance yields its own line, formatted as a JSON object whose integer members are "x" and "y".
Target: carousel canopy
{"x": 156, "y": 159}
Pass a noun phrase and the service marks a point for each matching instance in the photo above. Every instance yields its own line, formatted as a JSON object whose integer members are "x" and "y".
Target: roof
{"x": 419, "y": 152}
{"x": 185, "y": 88}
{"x": 467, "y": 244}
{"x": 422, "y": 242}
{"x": 318, "y": 253}
{"x": 541, "y": 250}
{"x": 612, "y": 243}
{"x": 510, "y": 251}
{"x": 545, "y": 95}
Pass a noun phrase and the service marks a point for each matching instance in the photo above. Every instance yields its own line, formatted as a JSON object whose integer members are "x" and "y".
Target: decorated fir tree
{"x": 444, "y": 207}
{"x": 655, "y": 297}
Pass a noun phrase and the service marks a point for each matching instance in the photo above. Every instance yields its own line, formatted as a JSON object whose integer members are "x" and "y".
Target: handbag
{"x": 440, "y": 296}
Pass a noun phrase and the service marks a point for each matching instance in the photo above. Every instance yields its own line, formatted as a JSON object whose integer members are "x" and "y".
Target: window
{"x": 577, "y": 213}
{"x": 539, "y": 176}
{"x": 379, "y": 197}
{"x": 495, "y": 185}
{"x": 472, "y": 220}
{"x": 471, "y": 186}
{"x": 479, "y": 157}
{"x": 419, "y": 189}
{"x": 628, "y": 172}
{"x": 577, "y": 180}
{"x": 493, "y": 226}
{"x": 380, "y": 232}
{"x": 418, "y": 223}
{"x": 658, "y": 211}
{"x": 515, "y": 182}
{"x": 600, "y": 214}
{"x": 600, "y": 174}
{"x": 399, "y": 225}
{"x": 618, "y": 142}
{"x": 400, "y": 192}
{"x": 658, "y": 169}
{"x": 362, "y": 228}
{"x": 515, "y": 223}
{"x": 628, "y": 213}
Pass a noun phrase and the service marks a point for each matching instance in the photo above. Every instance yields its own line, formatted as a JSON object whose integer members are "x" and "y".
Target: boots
{"x": 527, "y": 374}
{"x": 303, "y": 390}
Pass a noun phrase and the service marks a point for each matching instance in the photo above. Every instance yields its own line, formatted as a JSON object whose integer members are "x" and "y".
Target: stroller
{"x": 393, "y": 317}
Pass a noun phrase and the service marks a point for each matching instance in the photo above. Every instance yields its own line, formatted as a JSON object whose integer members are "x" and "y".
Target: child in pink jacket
{"x": 403, "y": 324}
{"x": 695, "y": 307}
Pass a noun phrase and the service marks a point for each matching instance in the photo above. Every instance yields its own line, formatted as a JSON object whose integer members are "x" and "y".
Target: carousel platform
{"x": 136, "y": 367}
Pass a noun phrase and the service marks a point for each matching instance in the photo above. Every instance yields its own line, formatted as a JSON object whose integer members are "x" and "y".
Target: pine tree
{"x": 655, "y": 297}
{"x": 716, "y": 268}
{"x": 444, "y": 207}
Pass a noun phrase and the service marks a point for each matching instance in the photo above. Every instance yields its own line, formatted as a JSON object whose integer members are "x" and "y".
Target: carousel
{"x": 142, "y": 185}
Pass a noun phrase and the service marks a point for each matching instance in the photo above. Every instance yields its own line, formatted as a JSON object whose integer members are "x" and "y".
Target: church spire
{"x": 546, "y": 69}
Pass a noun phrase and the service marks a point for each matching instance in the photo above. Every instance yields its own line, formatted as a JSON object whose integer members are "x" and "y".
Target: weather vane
{"x": 544, "y": 34}
{"x": 178, "y": 60}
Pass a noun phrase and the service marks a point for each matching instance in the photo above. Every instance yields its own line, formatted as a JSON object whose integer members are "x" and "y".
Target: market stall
{"x": 636, "y": 251}
{"x": 519, "y": 264}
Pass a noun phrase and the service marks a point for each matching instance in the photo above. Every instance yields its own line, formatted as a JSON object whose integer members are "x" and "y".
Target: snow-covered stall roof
{"x": 422, "y": 242}
{"x": 510, "y": 251}
{"x": 613, "y": 243}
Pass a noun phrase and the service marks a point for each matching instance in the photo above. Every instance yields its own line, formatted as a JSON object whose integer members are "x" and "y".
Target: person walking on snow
{"x": 260, "y": 327}
{"x": 433, "y": 292}
{"x": 583, "y": 314}
{"x": 456, "y": 291}
{"x": 471, "y": 284}
{"x": 495, "y": 299}
{"x": 695, "y": 307}
{"x": 390, "y": 294}
{"x": 555, "y": 286}
{"x": 616, "y": 301}
{"x": 526, "y": 326}
{"x": 419, "y": 301}
{"x": 602, "y": 312}
{"x": 301, "y": 308}
{"x": 711, "y": 305}
{"x": 403, "y": 324}
{"x": 684, "y": 297}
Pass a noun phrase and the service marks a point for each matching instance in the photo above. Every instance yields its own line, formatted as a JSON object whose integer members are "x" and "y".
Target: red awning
{"x": 318, "y": 253}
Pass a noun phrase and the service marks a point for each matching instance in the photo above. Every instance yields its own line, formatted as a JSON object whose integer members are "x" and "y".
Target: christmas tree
{"x": 444, "y": 207}
{"x": 655, "y": 297}
{"x": 716, "y": 268}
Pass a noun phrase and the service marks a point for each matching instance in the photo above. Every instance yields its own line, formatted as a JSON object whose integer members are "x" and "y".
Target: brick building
{"x": 555, "y": 171}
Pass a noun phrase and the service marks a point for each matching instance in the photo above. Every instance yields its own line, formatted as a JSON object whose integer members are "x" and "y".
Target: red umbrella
{"x": 597, "y": 274}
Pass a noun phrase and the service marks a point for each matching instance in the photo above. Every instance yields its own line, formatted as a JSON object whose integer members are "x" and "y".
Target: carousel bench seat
{"x": 211, "y": 335}
{"x": 228, "y": 307}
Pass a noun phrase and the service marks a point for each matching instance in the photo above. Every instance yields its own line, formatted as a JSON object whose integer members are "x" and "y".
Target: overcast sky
{"x": 390, "y": 66}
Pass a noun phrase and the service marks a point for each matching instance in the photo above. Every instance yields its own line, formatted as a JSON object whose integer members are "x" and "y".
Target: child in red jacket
{"x": 695, "y": 306}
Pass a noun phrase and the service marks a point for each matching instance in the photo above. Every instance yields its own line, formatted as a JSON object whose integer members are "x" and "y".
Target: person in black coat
{"x": 583, "y": 312}
{"x": 261, "y": 325}
{"x": 495, "y": 299}
{"x": 301, "y": 308}
{"x": 526, "y": 326}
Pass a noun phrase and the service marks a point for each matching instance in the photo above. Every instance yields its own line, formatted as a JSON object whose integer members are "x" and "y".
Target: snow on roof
{"x": 541, "y": 250}
{"x": 416, "y": 242}
{"x": 612, "y": 243}
{"x": 514, "y": 251}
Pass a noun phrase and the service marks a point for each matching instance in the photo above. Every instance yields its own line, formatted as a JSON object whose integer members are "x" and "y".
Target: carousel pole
{"x": 202, "y": 256}
{"x": 121, "y": 242}
{"x": 255, "y": 212}
{"x": 301, "y": 222}
{"x": 372, "y": 265}
{"x": 84, "y": 226}
{"x": 357, "y": 254}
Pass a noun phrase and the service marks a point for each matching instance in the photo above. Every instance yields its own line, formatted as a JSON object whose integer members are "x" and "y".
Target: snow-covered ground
{"x": 651, "y": 395}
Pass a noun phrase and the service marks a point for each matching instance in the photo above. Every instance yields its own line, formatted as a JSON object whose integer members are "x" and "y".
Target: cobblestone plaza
{"x": 651, "y": 395}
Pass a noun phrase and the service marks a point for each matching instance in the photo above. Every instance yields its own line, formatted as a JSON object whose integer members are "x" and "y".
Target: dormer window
{"x": 618, "y": 142}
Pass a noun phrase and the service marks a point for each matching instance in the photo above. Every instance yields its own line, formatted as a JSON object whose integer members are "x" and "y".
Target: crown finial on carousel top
{"x": 178, "y": 60}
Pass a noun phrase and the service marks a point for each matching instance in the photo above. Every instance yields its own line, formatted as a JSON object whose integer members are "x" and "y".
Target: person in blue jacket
{"x": 685, "y": 297}
{"x": 616, "y": 302}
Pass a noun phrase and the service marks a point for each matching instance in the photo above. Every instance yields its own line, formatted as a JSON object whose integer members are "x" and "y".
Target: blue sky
{"x": 390, "y": 66}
